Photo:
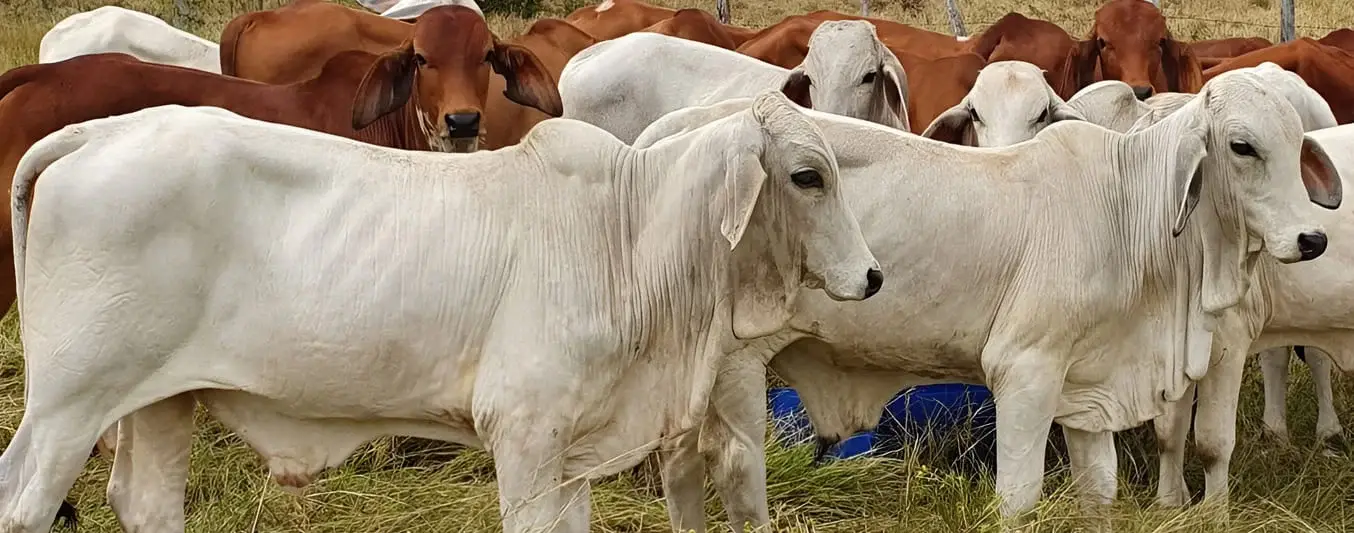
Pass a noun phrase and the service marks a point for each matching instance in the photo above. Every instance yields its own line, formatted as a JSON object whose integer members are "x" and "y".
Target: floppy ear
{"x": 1079, "y": 66}
{"x": 954, "y": 126}
{"x": 1188, "y": 178}
{"x": 892, "y": 82}
{"x": 528, "y": 82}
{"x": 386, "y": 86}
{"x": 743, "y": 180}
{"x": 1319, "y": 175}
{"x": 1062, "y": 111}
{"x": 796, "y": 87}
{"x": 1183, "y": 73}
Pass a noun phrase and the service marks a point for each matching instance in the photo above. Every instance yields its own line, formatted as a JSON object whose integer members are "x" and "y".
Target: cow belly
{"x": 297, "y": 445}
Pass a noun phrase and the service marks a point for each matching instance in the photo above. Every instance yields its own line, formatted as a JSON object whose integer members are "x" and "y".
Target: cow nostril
{"x": 1311, "y": 245}
{"x": 463, "y": 125}
{"x": 1142, "y": 92}
{"x": 874, "y": 279}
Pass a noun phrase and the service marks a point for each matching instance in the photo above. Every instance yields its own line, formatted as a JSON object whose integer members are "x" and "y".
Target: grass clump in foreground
{"x": 399, "y": 485}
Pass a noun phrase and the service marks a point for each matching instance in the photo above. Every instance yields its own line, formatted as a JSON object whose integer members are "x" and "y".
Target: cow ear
{"x": 1188, "y": 177}
{"x": 1319, "y": 175}
{"x": 743, "y": 180}
{"x": 952, "y": 126}
{"x": 1079, "y": 66}
{"x": 1062, "y": 111}
{"x": 1183, "y": 73}
{"x": 528, "y": 81}
{"x": 796, "y": 87}
{"x": 386, "y": 86}
{"x": 892, "y": 82}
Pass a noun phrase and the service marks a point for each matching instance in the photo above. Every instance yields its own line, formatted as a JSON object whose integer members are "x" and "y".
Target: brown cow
{"x": 1342, "y": 38}
{"x": 1229, "y": 47}
{"x": 554, "y": 42}
{"x": 1015, "y": 37}
{"x": 934, "y": 84}
{"x": 446, "y": 55}
{"x": 1327, "y": 69}
{"x": 614, "y": 18}
{"x": 1129, "y": 42}
{"x": 695, "y": 25}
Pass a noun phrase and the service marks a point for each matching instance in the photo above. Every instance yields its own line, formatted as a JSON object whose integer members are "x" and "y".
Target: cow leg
{"x": 1327, "y": 421}
{"x": 147, "y": 486}
{"x": 1172, "y": 429}
{"x": 44, "y": 458}
{"x": 1215, "y": 423}
{"x": 1094, "y": 471}
{"x": 733, "y": 441}
{"x": 533, "y": 494}
{"x": 684, "y": 483}
{"x": 1274, "y": 375}
{"x": 1026, "y": 386}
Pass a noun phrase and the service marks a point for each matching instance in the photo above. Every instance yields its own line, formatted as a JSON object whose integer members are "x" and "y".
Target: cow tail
{"x": 40, "y": 156}
{"x": 230, "y": 41}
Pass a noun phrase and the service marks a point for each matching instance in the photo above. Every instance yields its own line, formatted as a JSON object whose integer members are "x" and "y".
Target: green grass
{"x": 397, "y": 485}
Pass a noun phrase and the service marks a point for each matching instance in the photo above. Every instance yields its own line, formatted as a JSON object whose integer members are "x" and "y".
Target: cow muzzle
{"x": 1311, "y": 245}
{"x": 463, "y": 125}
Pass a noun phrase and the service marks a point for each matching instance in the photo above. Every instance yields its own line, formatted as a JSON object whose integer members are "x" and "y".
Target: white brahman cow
{"x": 626, "y": 83}
{"x": 1112, "y": 104}
{"x": 1060, "y": 272}
{"x": 115, "y": 29}
{"x": 563, "y": 303}
{"x": 1010, "y": 102}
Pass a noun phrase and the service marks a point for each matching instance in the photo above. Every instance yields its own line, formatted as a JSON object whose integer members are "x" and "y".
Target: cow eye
{"x": 1163, "y": 42}
{"x": 807, "y": 179}
{"x": 869, "y": 78}
{"x": 1243, "y": 149}
{"x": 1099, "y": 42}
{"x": 420, "y": 60}
{"x": 1043, "y": 115}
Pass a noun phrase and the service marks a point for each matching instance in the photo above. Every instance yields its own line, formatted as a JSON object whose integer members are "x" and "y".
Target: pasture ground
{"x": 398, "y": 485}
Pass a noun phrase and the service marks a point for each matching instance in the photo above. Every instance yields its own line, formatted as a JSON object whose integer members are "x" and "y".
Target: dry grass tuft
{"x": 397, "y": 485}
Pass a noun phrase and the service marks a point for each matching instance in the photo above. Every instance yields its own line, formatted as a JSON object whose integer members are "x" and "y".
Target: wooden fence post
{"x": 1287, "y": 23}
{"x": 864, "y": 8}
{"x": 722, "y": 11}
{"x": 956, "y": 19}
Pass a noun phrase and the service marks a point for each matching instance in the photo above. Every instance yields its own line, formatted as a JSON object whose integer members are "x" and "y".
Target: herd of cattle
{"x": 1097, "y": 230}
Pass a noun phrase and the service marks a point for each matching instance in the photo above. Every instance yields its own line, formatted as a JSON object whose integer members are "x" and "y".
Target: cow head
{"x": 848, "y": 71}
{"x": 1129, "y": 42}
{"x": 787, "y": 221}
{"x": 1010, "y": 102}
{"x": 1261, "y": 171}
{"x": 443, "y": 73}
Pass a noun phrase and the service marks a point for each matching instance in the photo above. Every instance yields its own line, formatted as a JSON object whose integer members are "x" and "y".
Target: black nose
{"x": 1142, "y": 92}
{"x": 462, "y": 125}
{"x": 1311, "y": 245}
{"x": 875, "y": 279}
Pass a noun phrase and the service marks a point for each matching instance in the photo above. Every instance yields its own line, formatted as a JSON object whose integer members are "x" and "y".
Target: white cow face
{"x": 849, "y": 72}
{"x": 1010, "y": 102}
{"x": 799, "y": 231}
{"x": 1270, "y": 170}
